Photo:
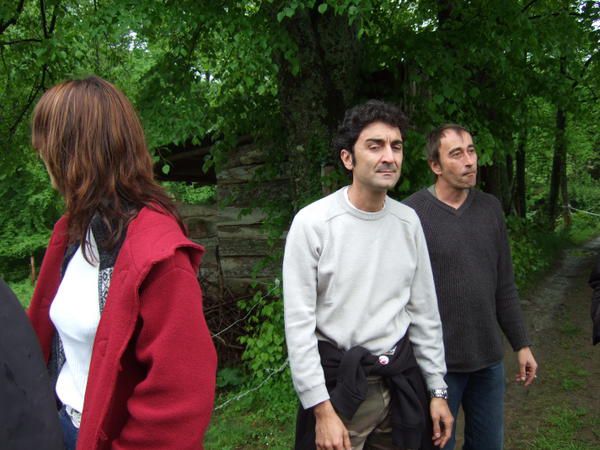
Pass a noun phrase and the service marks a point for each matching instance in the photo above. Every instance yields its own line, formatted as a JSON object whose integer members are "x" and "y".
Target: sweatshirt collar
{"x": 344, "y": 201}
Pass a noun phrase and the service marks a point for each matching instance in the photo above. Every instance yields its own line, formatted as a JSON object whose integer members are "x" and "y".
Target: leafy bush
{"x": 23, "y": 290}
{"x": 264, "y": 341}
{"x": 190, "y": 193}
{"x": 533, "y": 248}
{"x": 230, "y": 377}
{"x": 583, "y": 227}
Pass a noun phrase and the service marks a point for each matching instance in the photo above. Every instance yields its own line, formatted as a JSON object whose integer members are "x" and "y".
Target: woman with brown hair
{"x": 117, "y": 307}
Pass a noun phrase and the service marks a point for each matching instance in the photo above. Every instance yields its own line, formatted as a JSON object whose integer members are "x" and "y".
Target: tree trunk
{"x": 558, "y": 178}
{"x": 563, "y": 178}
{"x": 558, "y": 162}
{"x": 314, "y": 93}
{"x": 520, "y": 186}
{"x": 496, "y": 179}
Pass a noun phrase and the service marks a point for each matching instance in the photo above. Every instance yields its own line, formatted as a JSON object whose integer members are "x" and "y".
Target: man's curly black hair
{"x": 360, "y": 116}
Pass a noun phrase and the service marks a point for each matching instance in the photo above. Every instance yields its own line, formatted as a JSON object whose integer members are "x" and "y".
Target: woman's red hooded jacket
{"x": 152, "y": 374}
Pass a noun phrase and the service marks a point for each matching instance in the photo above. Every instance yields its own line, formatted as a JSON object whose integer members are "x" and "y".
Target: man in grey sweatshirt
{"x": 470, "y": 256}
{"x": 356, "y": 275}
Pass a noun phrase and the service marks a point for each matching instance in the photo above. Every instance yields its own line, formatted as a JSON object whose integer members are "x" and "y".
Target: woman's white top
{"x": 75, "y": 313}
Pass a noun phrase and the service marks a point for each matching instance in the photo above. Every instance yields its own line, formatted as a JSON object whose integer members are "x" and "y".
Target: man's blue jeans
{"x": 481, "y": 395}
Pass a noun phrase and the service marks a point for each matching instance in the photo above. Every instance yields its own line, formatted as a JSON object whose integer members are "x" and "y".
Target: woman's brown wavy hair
{"x": 92, "y": 142}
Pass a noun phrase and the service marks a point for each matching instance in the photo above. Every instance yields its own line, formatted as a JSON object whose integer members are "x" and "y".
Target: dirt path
{"x": 562, "y": 410}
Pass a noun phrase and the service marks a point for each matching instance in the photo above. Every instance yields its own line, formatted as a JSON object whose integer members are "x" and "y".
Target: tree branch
{"x": 13, "y": 19}
{"x": 43, "y": 18}
{"x": 19, "y": 41}
{"x": 32, "y": 96}
{"x": 528, "y": 5}
{"x": 53, "y": 20}
{"x": 554, "y": 14}
{"x": 583, "y": 69}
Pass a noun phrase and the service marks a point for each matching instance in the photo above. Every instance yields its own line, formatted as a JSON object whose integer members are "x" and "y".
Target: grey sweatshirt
{"x": 357, "y": 279}
{"x": 472, "y": 268}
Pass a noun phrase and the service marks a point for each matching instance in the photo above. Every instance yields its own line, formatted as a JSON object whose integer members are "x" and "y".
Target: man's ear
{"x": 435, "y": 167}
{"x": 347, "y": 159}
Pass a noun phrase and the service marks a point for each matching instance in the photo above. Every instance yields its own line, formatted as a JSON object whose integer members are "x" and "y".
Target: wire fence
{"x": 254, "y": 305}
{"x": 255, "y": 388}
{"x": 272, "y": 372}
{"x": 571, "y": 208}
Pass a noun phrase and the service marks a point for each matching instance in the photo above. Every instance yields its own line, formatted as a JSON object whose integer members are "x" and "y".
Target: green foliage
{"x": 229, "y": 377}
{"x": 264, "y": 341}
{"x": 533, "y": 249}
{"x": 584, "y": 227}
{"x": 190, "y": 193}
{"x": 30, "y": 207}
{"x": 23, "y": 290}
{"x": 251, "y": 422}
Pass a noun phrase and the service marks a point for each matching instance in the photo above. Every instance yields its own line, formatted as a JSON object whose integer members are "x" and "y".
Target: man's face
{"x": 377, "y": 158}
{"x": 457, "y": 167}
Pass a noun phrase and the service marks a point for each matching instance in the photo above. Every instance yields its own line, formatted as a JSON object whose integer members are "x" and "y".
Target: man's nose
{"x": 470, "y": 159}
{"x": 388, "y": 153}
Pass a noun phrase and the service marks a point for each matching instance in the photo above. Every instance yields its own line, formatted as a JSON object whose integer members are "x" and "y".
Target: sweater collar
{"x": 344, "y": 202}
{"x": 454, "y": 211}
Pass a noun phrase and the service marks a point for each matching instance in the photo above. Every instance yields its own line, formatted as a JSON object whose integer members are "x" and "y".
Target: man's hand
{"x": 331, "y": 432}
{"x": 442, "y": 421}
{"x": 527, "y": 366}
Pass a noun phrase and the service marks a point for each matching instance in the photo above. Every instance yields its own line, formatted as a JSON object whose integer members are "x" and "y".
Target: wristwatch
{"x": 438, "y": 393}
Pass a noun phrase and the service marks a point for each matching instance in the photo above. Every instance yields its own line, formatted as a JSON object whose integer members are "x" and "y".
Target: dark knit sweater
{"x": 472, "y": 269}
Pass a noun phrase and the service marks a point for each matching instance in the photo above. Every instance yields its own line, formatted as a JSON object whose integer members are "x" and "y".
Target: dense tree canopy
{"x": 523, "y": 75}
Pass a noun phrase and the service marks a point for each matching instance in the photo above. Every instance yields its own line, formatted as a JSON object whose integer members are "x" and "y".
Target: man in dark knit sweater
{"x": 470, "y": 257}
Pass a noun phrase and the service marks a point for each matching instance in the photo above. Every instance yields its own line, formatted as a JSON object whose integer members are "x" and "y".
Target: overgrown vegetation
{"x": 263, "y": 419}
{"x": 190, "y": 193}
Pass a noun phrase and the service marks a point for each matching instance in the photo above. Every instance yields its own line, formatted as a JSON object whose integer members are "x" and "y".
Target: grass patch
{"x": 560, "y": 429}
{"x": 262, "y": 419}
{"x": 23, "y": 290}
{"x": 569, "y": 376}
{"x": 570, "y": 329}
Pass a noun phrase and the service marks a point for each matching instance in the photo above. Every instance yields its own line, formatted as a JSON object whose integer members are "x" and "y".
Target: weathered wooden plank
{"x": 252, "y": 231}
{"x": 245, "y": 195}
{"x": 244, "y": 267}
{"x": 245, "y": 155}
{"x": 247, "y": 247}
{"x": 201, "y": 228}
{"x": 210, "y": 250}
{"x": 242, "y": 287}
{"x": 231, "y": 215}
{"x": 244, "y": 174}
{"x": 238, "y": 174}
{"x": 207, "y": 211}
